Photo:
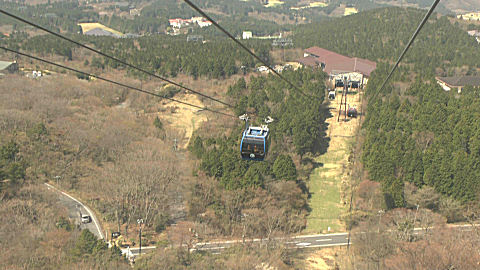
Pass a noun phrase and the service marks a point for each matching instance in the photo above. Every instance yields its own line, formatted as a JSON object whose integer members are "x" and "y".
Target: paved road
{"x": 304, "y": 241}
{"x": 132, "y": 253}
{"x": 76, "y": 209}
{"x": 309, "y": 241}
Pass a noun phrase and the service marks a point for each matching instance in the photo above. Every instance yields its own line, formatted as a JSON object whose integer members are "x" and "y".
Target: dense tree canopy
{"x": 284, "y": 168}
{"x": 382, "y": 33}
{"x": 427, "y": 137}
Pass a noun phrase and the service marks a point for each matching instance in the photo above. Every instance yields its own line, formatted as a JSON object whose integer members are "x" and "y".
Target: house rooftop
{"x": 100, "y": 32}
{"x": 461, "y": 80}
{"x": 336, "y": 63}
{"x": 5, "y": 64}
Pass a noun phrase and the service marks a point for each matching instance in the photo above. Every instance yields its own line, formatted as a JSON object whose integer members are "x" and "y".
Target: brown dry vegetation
{"x": 389, "y": 243}
{"x": 31, "y": 238}
{"x": 112, "y": 158}
{"x": 107, "y": 152}
{"x": 286, "y": 55}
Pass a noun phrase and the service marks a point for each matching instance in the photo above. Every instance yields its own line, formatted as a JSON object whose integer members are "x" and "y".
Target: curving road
{"x": 75, "y": 209}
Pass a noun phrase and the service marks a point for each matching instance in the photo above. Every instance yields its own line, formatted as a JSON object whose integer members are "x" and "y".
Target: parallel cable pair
{"x": 430, "y": 11}
{"x": 199, "y": 10}
{"x": 111, "y": 57}
{"x": 115, "y": 82}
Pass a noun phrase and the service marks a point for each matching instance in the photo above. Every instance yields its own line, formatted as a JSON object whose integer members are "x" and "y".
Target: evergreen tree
{"x": 157, "y": 123}
{"x": 284, "y": 168}
{"x": 85, "y": 244}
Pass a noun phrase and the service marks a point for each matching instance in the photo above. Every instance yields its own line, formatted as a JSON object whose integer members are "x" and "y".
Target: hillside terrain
{"x": 410, "y": 160}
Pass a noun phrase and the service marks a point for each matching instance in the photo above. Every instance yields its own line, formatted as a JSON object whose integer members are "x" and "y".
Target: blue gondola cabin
{"x": 254, "y": 143}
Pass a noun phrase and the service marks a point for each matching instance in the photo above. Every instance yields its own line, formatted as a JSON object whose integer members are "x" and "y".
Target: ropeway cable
{"x": 111, "y": 57}
{"x": 116, "y": 83}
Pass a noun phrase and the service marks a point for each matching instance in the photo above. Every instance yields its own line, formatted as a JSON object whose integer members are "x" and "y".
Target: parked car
{"x": 331, "y": 94}
{"x": 352, "y": 112}
{"x": 86, "y": 219}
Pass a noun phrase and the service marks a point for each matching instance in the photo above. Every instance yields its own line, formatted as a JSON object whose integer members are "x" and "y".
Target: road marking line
{"x": 304, "y": 244}
{"x": 209, "y": 248}
{"x": 317, "y": 235}
{"x": 324, "y": 245}
{"x": 323, "y": 240}
{"x": 148, "y": 247}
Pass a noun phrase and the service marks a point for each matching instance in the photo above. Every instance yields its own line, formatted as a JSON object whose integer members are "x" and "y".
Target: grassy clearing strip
{"x": 324, "y": 186}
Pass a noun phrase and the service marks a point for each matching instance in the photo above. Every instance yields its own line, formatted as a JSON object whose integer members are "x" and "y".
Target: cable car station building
{"x": 338, "y": 66}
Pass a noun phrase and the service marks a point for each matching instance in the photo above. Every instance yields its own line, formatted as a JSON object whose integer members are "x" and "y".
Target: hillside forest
{"x": 418, "y": 147}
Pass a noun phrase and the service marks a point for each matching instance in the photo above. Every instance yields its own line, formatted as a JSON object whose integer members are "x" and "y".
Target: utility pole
{"x": 344, "y": 94}
{"x": 345, "y": 89}
{"x": 380, "y": 213}
{"x": 175, "y": 144}
{"x": 140, "y": 222}
{"x": 57, "y": 178}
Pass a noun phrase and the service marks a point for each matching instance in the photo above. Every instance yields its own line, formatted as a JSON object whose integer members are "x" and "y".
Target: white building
{"x": 247, "y": 35}
{"x": 178, "y": 22}
{"x": 204, "y": 23}
{"x": 475, "y": 34}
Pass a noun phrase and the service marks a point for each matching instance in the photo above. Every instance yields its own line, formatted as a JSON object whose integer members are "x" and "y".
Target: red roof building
{"x": 334, "y": 63}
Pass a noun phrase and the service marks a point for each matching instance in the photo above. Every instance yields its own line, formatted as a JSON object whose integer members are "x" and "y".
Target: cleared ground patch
{"x": 311, "y": 5}
{"x": 322, "y": 259}
{"x": 350, "y": 11}
{"x": 183, "y": 118}
{"x": 325, "y": 182}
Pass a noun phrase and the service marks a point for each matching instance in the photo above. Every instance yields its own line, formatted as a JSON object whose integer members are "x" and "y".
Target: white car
{"x": 86, "y": 219}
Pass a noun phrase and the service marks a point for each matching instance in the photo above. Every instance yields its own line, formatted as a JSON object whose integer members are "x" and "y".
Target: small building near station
{"x": 8, "y": 67}
{"x": 247, "y": 35}
{"x": 458, "y": 82}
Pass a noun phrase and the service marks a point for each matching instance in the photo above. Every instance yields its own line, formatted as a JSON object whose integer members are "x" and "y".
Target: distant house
{"x": 135, "y": 12}
{"x": 178, "y": 22}
{"x": 475, "y": 34}
{"x": 202, "y": 22}
{"x": 247, "y": 35}
{"x": 338, "y": 66}
{"x": 449, "y": 83}
{"x": 263, "y": 69}
{"x": 100, "y": 32}
{"x": 8, "y": 67}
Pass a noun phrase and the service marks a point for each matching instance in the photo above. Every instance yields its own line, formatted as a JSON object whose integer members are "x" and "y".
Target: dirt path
{"x": 326, "y": 181}
{"x": 183, "y": 118}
